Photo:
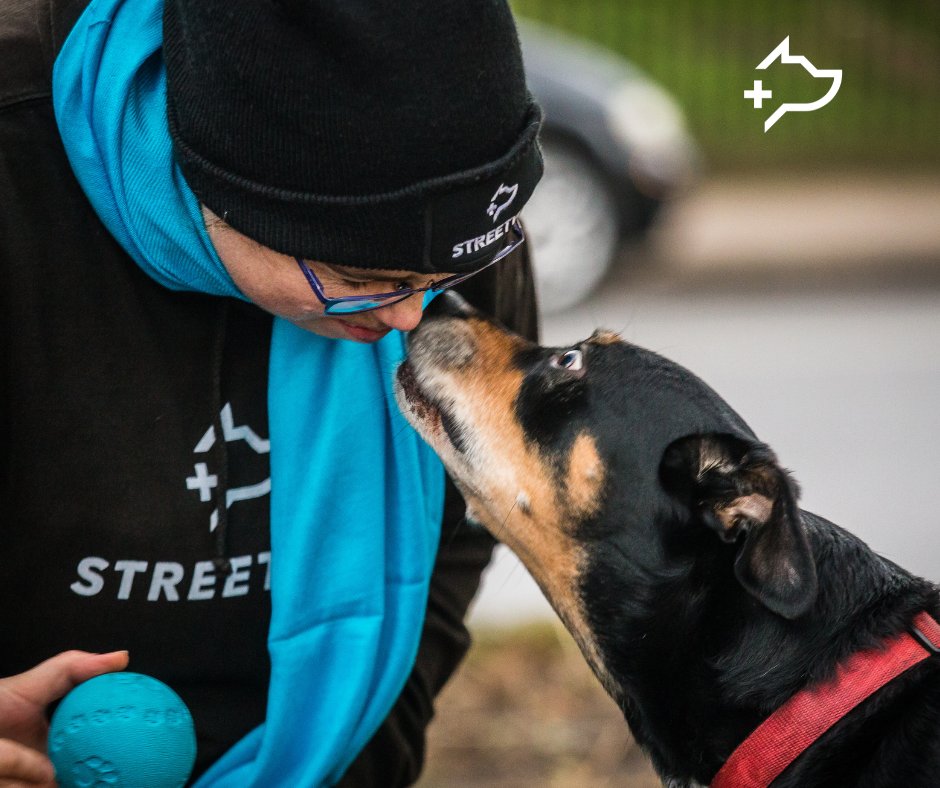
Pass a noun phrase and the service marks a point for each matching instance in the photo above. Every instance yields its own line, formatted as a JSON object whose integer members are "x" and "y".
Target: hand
{"x": 23, "y": 701}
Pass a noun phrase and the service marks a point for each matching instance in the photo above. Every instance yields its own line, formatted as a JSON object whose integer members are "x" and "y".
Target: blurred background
{"x": 796, "y": 270}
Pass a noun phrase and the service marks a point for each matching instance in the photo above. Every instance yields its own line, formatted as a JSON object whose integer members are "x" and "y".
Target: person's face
{"x": 273, "y": 281}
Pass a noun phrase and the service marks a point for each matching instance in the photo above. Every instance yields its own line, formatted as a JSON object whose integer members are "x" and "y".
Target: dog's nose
{"x": 449, "y": 304}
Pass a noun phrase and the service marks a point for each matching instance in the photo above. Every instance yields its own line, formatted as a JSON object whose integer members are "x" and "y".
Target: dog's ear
{"x": 737, "y": 488}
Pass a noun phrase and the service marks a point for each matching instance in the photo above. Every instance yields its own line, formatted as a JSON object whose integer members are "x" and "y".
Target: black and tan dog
{"x": 670, "y": 543}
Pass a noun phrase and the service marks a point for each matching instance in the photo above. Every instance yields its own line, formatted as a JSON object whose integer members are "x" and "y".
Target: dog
{"x": 668, "y": 539}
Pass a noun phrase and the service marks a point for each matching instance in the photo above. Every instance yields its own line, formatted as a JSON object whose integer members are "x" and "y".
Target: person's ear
{"x": 737, "y": 488}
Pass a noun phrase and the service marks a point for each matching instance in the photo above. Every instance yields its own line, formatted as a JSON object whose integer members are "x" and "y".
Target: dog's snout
{"x": 443, "y": 339}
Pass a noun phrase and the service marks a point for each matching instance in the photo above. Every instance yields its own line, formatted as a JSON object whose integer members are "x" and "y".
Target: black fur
{"x": 712, "y": 596}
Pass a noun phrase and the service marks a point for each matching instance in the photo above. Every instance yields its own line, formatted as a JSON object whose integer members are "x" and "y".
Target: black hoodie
{"x": 133, "y": 427}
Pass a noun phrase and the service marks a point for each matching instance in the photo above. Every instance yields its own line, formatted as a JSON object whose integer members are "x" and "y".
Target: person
{"x": 219, "y": 219}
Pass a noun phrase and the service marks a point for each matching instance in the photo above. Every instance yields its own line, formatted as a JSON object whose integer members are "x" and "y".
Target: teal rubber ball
{"x": 122, "y": 730}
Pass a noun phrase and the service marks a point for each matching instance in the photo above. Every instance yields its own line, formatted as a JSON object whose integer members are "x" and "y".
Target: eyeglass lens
{"x": 343, "y": 306}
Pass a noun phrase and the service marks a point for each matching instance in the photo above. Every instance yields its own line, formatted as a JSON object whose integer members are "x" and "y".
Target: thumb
{"x": 52, "y": 679}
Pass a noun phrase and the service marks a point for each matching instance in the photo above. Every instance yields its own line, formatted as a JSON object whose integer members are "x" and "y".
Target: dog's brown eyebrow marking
{"x": 584, "y": 476}
{"x": 605, "y": 337}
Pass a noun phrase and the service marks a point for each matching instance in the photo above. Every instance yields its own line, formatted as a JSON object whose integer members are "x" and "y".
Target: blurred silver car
{"x": 616, "y": 147}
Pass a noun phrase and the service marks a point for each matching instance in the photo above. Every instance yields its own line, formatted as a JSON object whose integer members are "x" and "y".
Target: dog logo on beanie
{"x": 496, "y": 207}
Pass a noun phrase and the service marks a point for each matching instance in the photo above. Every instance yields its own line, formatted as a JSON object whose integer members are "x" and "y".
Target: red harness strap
{"x": 786, "y": 733}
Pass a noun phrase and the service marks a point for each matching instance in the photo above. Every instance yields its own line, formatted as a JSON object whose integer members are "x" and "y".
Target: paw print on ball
{"x": 95, "y": 772}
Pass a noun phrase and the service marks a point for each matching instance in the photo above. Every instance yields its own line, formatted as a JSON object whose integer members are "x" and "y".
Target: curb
{"x": 842, "y": 222}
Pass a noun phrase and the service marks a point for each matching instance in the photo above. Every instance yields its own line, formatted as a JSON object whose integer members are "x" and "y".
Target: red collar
{"x": 786, "y": 733}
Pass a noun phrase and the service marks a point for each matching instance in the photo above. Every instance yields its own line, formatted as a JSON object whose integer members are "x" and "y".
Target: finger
{"x": 21, "y": 763}
{"x": 53, "y": 678}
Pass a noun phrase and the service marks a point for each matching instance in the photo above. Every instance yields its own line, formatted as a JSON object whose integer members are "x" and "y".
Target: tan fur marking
{"x": 509, "y": 486}
{"x": 755, "y": 507}
{"x": 537, "y": 532}
{"x": 585, "y": 476}
{"x": 604, "y": 337}
{"x": 554, "y": 560}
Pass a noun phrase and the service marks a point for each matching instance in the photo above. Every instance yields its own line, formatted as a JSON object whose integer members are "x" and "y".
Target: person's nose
{"x": 404, "y": 316}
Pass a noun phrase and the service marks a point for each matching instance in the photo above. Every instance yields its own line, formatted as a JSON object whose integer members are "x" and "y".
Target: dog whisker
{"x": 502, "y": 525}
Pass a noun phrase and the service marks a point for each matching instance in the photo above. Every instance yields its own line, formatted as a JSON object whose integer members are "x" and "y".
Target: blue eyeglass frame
{"x": 346, "y": 305}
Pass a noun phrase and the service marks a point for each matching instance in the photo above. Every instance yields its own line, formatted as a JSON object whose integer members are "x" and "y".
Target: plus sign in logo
{"x": 781, "y": 52}
{"x": 757, "y": 94}
{"x": 204, "y": 482}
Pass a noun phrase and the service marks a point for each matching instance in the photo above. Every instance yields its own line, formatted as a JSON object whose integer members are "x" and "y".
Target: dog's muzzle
{"x": 443, "y": 340}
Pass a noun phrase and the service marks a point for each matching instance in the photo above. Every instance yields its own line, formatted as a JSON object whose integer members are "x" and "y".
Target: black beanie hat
{"x": 367, "y": 133}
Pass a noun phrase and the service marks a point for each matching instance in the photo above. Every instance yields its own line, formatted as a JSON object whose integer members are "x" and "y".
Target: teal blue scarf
{"x": 356, "y": 497}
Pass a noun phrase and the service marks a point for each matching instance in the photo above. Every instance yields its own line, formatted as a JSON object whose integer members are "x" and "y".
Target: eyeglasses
{"x": 346, "y": 305}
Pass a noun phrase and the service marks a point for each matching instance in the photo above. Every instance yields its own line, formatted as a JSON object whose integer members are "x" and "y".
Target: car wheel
{"x": 572, "y": 222}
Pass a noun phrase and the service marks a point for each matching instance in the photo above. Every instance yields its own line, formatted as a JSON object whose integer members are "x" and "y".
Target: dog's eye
{"x": 572, "y": 360}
